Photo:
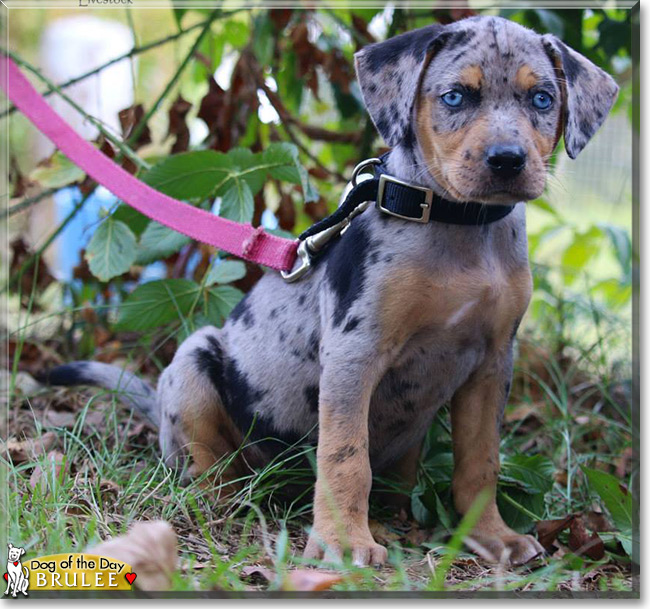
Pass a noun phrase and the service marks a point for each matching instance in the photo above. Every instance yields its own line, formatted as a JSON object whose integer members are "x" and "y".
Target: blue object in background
{"x": 77, "y": 233}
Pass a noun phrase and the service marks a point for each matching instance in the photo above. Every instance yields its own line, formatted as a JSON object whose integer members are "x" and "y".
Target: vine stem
{"x": 25, "y": 203}
{"x": 139, "y": 128}
{"x": 121, "y": 146}
{"x": 137, "y": 50}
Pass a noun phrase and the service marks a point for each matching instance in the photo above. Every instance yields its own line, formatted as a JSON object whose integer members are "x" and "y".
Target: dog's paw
{"x": 513, "y": 548}
{"x": 364, "y": 550}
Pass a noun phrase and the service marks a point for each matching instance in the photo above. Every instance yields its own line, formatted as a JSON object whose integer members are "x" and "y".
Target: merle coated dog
{"x": 398, "y": 317}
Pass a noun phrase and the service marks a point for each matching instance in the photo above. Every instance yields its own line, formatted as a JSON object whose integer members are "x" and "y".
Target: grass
{"x": 561, "y": 409}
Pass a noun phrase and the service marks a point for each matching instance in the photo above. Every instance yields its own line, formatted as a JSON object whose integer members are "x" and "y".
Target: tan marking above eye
{"x": 471, "y": 76}
{"x": 526, "y": 79}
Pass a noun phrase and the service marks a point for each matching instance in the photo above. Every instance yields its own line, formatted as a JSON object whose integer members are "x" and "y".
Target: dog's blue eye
{"x": 453, "y": 98}
{"x": 542, "y": 100}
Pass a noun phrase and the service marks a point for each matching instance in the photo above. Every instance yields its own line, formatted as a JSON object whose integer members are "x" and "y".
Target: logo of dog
{"x": 17, "y": 576}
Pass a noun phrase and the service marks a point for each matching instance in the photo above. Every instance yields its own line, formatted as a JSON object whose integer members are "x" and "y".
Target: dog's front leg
{"x": 344, "y": 476}
{"x": 476, "y": 416}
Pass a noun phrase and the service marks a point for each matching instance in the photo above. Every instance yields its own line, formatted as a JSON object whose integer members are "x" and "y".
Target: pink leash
{"x": 239, "y": 239}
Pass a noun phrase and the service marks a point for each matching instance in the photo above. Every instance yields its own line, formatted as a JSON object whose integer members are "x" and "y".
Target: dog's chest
{"x": 441, "y": 327}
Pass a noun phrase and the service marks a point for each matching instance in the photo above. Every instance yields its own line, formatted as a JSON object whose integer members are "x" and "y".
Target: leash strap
{"x": 242, "y": 240}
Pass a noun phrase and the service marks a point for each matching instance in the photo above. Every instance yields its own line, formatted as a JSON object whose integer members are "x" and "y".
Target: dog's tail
{"x": 131, "y": 390}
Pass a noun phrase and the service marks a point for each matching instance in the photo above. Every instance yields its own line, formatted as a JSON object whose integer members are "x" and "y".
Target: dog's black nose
{"x": 505, "y": 161}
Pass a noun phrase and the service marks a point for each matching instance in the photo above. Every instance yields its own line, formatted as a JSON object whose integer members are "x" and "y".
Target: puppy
{"x": 398, "y": 317}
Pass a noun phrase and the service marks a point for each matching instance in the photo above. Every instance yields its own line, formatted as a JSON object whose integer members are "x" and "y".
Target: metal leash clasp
{"x": 312, "y": 245}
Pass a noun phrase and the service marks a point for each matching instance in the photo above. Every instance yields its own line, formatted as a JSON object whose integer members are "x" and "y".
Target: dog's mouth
{"x": 516, "y": 191}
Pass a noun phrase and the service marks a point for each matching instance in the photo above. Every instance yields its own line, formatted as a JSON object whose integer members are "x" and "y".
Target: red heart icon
{"x": 130, "y": 577}
{"x": 16, "y": 564}
{"x": 6, "y": 577}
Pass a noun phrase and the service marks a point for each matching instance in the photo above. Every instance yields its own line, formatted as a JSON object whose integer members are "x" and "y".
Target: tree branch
{"x": 132, "y": 53}
{"x": 25, "y": 203}
{"x": 139, "y": 128}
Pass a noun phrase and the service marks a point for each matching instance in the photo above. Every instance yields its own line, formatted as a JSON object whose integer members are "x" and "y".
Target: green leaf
{"x": 225, "y": 271}
{"x": 221, "y": 301}
{"x": 237, "y": 203}
{"x": 249, "y": 167}
{"x": 111, "y": 250}
{"x": 534, "y": 472}
{"x": 291, "y": 168}
{"x": 263, "y": 39}
{"x": 136, "y": 221}
{"x": 550, "y": 21}
{"x": 158, "y": 241}
{"x": 56, "y": 172}
{"x": 544, "y": 205}
{"x": 236, "y": 32}
{"x": 191, "y": 175}
{"x": 584, "y": 247}
{"x": 622, "y": 244}
{"x": 156, "y": 303}
{"x": 617, "y": 501}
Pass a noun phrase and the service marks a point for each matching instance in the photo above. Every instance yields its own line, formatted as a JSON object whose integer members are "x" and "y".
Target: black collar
{"x": 419, "y": 204}
{"x": 409, "y": 202}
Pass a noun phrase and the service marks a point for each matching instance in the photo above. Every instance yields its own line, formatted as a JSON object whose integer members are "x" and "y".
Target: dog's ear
{"x": 22, "y": 551}
{"x": 389, "y": 74}
{"x": 588, "y": 94}
{"x": 10, "y": 545}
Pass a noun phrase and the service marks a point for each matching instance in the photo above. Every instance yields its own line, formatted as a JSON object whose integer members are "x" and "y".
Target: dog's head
{"x": 14, "y": 554}
{"x": 486, "y": 100}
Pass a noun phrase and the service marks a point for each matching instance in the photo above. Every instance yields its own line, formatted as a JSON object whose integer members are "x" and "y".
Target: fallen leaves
{"x": 29, "y": 449}
{"x": 151, "y": 550}
{"x": 54, "y": 466}
{"x": 580, "y": 541}
{"x": 296, "y": 580}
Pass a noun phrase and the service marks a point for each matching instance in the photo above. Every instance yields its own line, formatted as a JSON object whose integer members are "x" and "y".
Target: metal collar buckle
{"x": 426, "y": 206}
{"x": 313, "y": 245}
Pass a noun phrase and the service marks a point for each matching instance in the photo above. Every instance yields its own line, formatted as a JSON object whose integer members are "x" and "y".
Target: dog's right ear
{"x": 389, "y": 74}
{"x": 10, "y": 545}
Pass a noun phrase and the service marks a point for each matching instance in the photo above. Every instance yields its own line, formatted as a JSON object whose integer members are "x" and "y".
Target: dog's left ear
{"x": 389, "y": 74}
{"x": 22, "y": 551}
{"x": 589, "y": 94}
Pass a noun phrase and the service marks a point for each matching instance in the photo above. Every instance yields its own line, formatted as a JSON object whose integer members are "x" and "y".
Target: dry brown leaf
{"x": 150, "y": 549}
{"x": 298, "y": 580}
{"x": 177, "y": 125}
{"x": 622, "y": 462}
{"x": 381, "y": 533}
{"x": 130, "y": 119}
{"x": 521, "y": 413}
{"x": 597, "y": 522}
{"x": 56, "y": 461}
{"x": 548, "y": 530}
{"x": 580, "y": 540}
{"x": 26, "y": 450}
{"x": 59, "y": 418}
{"x": 108, "y": 487}
{"x": 308, "y": 580}
{"x": 583, "y": 543}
